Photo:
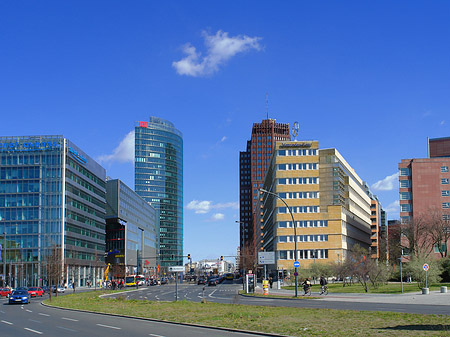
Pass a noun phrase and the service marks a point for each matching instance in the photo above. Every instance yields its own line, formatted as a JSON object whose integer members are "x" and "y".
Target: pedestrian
{"x": 73, "y": 286}
{"x": 270, "y": 282}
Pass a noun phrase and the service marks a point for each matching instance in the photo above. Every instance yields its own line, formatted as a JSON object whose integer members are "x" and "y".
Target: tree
{"x": 439, "y": 231}
{"x": 53, "y": 265}
{"x": 417, "y": 235}
{"x": 415, "y": 268}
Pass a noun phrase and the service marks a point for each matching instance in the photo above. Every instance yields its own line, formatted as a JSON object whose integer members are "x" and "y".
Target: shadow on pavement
{"x": 420, "y": 327}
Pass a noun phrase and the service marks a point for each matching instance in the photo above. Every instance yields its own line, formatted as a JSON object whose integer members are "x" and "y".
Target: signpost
{"x": 266, "y": 258}
{"x": 426, "y": 267}
{"x": 176, "y": 269}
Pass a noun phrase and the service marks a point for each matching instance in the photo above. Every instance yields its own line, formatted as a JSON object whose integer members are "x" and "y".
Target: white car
{"x": 58, "y": 289}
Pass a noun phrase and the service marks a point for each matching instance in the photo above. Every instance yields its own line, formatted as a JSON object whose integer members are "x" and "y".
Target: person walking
{"x": 73, "y": 286}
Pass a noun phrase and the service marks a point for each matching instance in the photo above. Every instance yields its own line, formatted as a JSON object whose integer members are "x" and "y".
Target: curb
{"x": 285, "y": 298}
{"x": 256, "y": 333}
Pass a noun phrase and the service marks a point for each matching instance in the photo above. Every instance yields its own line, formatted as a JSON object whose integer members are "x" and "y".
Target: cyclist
{"x": 323, "y": 284}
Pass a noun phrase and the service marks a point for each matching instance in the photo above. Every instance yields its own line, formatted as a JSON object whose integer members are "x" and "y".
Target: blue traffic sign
{"x": 296, "y": 264}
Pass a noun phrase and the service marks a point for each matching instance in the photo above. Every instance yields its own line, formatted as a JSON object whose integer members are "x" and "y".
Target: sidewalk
{"x": 434, "y": 298}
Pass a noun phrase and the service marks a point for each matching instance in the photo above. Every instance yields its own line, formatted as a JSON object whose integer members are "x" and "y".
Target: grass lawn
{"x": 285, "y": 321}
{"x": 390, "y": 288}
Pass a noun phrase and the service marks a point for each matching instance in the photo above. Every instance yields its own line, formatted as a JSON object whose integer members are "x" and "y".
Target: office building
{"x": 378, "y": 227}
{"x": 253, "y": 163}
{"x": 132, "y": 231}
{"x": 424, "y": 185}
{"x": 328, "y": 200}
{"x": 52, "y": 212}
{"x": 159, "y": 181}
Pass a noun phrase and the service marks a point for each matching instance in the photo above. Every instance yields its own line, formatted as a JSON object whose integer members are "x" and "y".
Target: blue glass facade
{"x": 52, "y": 209}
{"x": 159, "y": 180}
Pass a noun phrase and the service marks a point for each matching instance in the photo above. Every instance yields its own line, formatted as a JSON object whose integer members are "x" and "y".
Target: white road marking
{"x": 6, "y": 322}
{"x": 151, "y": 334}
{"x": 61, "y": 327}
{"x": 43, "y": 314}
{"x": 28, "y": 310}
{"x": 32, "y": 320}
{"x": 108, "y": 326}
{"x": 69, "y": 319}
{"x": 35, "y": 331}
{"x": 2, "y": 312}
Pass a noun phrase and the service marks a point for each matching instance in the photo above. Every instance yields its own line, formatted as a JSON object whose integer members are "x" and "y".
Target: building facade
{"x": 378, "y": 227}
{"x": 253, "y": 164}
{"x": 328, "y": 200}
{"x": 159, "y": 181}
{"x": 52, "y": 212}
{"x": 132, "y": 229}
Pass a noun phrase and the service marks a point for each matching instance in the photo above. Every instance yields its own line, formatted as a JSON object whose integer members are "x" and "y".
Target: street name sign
{"x": 176, "y": 268}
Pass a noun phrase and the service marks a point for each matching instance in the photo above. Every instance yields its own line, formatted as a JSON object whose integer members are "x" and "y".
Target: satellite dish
{"x": 294, "y": 131}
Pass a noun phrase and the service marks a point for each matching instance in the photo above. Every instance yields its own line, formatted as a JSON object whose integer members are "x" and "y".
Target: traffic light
{"x": 189, "y": 256}
{"x": 221, "y": 258}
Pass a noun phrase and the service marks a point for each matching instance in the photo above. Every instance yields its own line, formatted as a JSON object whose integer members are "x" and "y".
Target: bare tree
{"x": 53, "y": 265}
{"x": 417, "y": 235}
{"x": 439, "y": 231}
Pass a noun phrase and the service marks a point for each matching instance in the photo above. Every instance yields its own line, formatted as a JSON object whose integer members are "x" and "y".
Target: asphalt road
{"x": 35, "y": 319}
{"x": 228, "y": 293}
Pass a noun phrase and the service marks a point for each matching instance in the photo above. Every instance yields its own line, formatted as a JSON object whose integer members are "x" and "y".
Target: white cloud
{"x": 224, "y": 138}
{"x": 393, "y": 207}
{"x": 219, "y": 49}
{"x": 124, "y": 152}
{"x": 442, "y": 123}
{"x": 218, "y": 217}
{"x": 386, "y": 184}
{"x": 205, "y": 206}
{"x": 200, "y": 207}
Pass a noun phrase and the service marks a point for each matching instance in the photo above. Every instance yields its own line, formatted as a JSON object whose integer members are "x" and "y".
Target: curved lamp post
{"x": 295, "y": 234}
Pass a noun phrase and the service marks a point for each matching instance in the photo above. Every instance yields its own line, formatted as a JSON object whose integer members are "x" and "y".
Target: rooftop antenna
{"x": 267, "y": 104}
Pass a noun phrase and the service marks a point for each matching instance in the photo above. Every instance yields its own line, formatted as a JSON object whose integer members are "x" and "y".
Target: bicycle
{"x": 307, "y": 291}
{"x": 324, "y": 290}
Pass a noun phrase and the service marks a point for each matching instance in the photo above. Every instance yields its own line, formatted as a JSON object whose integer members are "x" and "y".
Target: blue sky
{"x": 371, "y": 79}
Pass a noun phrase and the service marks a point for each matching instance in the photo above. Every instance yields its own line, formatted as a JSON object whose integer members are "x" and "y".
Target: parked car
{"x": 35, "y": 291}
{"x": 164, "y": 280}
{"x": 22, "y": 288}
{"x": 19, "y": 296}
{"x": 46, "y": 289}
{"x": 201, "y": 280}
{"x": 5, "y": 292}
{"x": 213, "y": 282}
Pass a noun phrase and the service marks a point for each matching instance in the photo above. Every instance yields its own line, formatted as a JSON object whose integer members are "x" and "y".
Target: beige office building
{"x": 329, "y": 203}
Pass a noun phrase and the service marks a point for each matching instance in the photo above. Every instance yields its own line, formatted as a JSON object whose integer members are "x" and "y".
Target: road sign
{"x": 296, "y": 264}
{"x": 176, "y": 269}
{"x": 295, "y": 274}
{"x": 426, "y": 267}
{"x": 266, "y": 257}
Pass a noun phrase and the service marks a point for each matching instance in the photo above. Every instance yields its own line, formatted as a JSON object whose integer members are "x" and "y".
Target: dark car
{"x": 164, "y": 280}
{"x": 201, "y": 280}
{"x": 213, "y": 282}
{"x": 19, "y": 296}
{"x": 22, "y": 288}
{"x": 46, "y": 290}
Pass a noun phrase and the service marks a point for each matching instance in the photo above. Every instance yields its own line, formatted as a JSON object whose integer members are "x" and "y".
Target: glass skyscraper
{"x": 52, "y": 212}
{"x": 159, "y": 180}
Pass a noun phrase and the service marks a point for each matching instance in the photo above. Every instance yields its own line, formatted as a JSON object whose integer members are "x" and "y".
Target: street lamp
{"x": 295, "y": 234}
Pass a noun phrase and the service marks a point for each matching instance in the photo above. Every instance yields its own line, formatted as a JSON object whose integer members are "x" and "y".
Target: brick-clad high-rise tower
{"x": 252, "y": 168}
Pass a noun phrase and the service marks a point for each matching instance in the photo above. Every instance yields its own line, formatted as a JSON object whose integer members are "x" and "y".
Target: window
{"x": 439, "y": 248}
{"x": 404, "y": 172}
{"x": 405, "y": 196}
{"x": 405, "y": 183}
{"x": 405, "y": 208}
{"x": 445, "y": 193}
{"x": 444, "y": 181}
{"x": 446, "y": 205}
{"x": 444, "y": 169}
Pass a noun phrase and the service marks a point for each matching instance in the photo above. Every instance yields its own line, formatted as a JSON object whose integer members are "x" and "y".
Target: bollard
{"x": 443, "y": 289}
{"x": 425, "y": 291}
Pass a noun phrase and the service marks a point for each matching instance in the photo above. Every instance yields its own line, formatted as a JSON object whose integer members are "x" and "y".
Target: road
{"x": 35, "y": 319}
{"x": 228, "y": 293}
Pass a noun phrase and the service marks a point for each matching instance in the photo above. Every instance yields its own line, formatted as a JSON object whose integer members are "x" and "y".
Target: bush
{"x": 415, "y": 268}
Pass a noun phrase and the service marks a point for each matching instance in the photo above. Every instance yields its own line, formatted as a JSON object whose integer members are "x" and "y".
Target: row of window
{"x": 408, "y": 207}
{"x": 298, "y": 181}
{"x": 26, "y": 172}
{"x": 405, "y": 171}
{"x": 299, "y": 209}
{"x": 300, "y": 166}
{"x": 305, "y": 223}
{"x": 303, "y": 254}
{"x": 307, "y": 152}
{"x": 299, "y": 195}
{"x": 303, "y": 238}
